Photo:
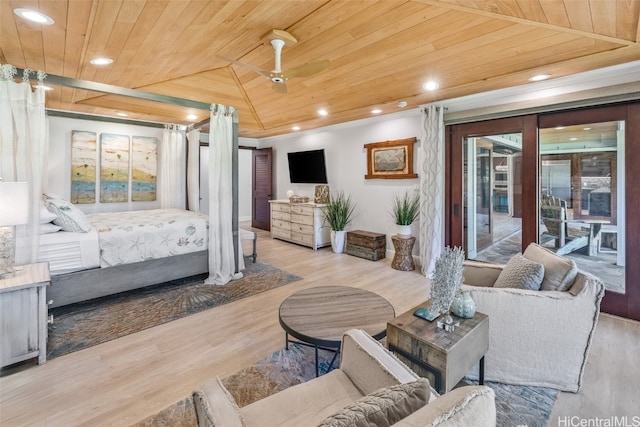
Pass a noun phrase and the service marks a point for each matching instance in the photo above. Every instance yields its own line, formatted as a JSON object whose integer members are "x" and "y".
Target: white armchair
{"x": 538, "y": 338}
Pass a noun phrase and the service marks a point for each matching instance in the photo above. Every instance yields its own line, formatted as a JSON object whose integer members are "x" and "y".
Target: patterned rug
{"x": 515, "y": 405}
{"x": 89, "y": 323}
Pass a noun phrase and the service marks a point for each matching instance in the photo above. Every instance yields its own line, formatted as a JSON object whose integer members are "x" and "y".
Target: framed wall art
{"x": 390, "y": 159}
{"x": 83, "y": 166}
{"x": 144, "y": 161}
{"x": 114, "y": 168}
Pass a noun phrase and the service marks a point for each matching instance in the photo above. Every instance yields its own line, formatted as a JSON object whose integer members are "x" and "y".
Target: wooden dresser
{"x": 299, "y": 223}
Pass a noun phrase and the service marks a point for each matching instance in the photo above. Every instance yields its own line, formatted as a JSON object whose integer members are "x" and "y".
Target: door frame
{"x": 627, "y": 304}
{"x": 454, "y": 139}
{"x": 261, "y": 194}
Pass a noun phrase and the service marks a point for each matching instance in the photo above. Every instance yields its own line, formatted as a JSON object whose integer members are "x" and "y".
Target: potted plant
{"x": 338, "y": 213}
{"x": 406, "y": 209}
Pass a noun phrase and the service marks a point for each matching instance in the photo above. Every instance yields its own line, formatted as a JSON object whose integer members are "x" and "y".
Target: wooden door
{"x": 262, "y": 188}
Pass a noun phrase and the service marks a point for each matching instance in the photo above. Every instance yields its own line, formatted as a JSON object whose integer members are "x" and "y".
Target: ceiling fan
{"x": 278, "y": 76}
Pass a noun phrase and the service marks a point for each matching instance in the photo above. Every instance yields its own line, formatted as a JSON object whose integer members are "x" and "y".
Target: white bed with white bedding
{"x": 125, "y": 238}
{"x": 101, "y": 254}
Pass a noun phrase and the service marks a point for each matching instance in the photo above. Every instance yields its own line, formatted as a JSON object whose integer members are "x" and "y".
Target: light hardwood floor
{"x": 126, "y": 380}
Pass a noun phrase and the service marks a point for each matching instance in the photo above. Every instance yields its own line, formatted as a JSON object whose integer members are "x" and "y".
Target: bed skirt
{"x": 98, "y": 282}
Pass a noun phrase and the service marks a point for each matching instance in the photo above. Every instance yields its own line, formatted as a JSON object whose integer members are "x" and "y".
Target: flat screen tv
{"x": 307, "y": 167}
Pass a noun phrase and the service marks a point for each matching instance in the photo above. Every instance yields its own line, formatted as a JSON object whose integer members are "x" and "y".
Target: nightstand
{"x": 442, "y": 357}
{"x": 23, "y": 314}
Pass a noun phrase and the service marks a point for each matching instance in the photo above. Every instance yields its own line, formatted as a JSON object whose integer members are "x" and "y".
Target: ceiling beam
{"x": 438, "y": 3}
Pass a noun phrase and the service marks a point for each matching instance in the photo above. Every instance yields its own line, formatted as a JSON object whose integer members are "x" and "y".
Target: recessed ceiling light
{"x": 376, "y": 111}
{"x": 101, "y": 61}
{"x": 295, "y": 128}
{"x": 402, "y": 104}
{"x": 430, "y": 85}
{"x": 192, "y": 117}
{"x": 559, "y": 127}
{"x": 123, "y": 114}
{"x": 323, "y": 112}
{"x": 573, "y": 139}
{"x": 33, "y": 16}
{"x": 539, "y": 77}
{"x": 47, "y": 88}
{"x": 586, "y": 128}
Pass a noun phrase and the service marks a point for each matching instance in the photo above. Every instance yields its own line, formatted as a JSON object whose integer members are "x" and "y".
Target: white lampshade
{"x": 14, "y": 203}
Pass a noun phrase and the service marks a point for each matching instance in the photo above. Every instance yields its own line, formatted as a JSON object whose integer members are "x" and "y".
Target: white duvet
{"x": 128, "y": 237}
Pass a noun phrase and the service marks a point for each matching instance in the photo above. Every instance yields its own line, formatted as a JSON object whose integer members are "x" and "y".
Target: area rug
{"x": 515, "y": 405}
{"x": 89, "y": 323}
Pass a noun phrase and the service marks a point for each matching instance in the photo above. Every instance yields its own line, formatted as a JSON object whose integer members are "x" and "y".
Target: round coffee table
{"x": 319, "y": 316}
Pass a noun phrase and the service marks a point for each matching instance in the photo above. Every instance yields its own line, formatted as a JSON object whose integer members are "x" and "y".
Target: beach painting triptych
{"x": 127, "y": 167}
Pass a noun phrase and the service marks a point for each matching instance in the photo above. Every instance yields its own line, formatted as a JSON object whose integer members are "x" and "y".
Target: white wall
{"x": 59, "y": 159}
{"x": 245, "y": 181}
{"x": 346, "y": 162}
{"x": 245, "y": 174}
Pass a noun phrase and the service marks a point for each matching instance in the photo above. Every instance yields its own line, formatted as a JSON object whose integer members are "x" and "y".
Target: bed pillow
{"x": 49, "y": 228}
{"x": 46, "y": 216}
{"x": 383, "y": 407}
{"x": 521, "y": 273}
{"x": 69, "y": 217}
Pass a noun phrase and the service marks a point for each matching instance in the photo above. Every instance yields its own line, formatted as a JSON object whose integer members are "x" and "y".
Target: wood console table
{"x": 442, "y": 357}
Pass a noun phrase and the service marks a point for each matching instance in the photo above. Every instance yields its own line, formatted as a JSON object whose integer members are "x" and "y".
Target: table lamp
{"x": 14, "y": 210}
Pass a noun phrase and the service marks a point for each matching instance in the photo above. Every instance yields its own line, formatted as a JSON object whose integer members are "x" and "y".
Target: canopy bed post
{"x": 234, "y": 189}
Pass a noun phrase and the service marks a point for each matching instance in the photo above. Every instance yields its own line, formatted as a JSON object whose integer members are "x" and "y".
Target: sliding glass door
{"x": 492, "y": 193}
{"x": 582, "y": 197}
{"x": 563, "y": 180}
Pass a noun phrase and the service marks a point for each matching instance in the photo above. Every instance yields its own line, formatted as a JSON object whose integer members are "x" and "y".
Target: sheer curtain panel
{"x": 193, "y": 170}
{"x": 173, "y": 169}
{"x": 431, "y": 163}
{"x": 221, "y": 258}
{"x": 23, "y": 146}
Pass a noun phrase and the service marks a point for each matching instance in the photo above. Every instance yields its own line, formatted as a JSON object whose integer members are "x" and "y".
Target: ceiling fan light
{"x": 33, "y": 16}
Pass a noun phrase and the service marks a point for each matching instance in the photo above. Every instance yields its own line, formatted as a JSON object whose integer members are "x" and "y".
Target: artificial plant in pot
{"x": 338, "y": 213}
{"x": 405, "y": 210}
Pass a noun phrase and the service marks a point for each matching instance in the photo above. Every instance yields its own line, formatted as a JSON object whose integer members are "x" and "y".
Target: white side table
{"x": 23, "y": 314}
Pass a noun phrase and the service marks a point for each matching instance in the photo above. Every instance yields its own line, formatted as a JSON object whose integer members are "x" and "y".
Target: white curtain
{"x": 193, "y": 170}
{"x": 221, "y": 259}
{"x": 23, "y": 147}
{"x": 431, "y": 163}
{"x": 173, "y": 169}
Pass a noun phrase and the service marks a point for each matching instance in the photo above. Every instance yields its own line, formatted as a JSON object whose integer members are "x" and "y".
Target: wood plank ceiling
{"x": 381, "y": 52}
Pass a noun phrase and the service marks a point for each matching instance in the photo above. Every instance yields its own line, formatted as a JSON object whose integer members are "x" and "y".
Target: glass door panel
{"x": 582, "y": 198}
{"x": 492, "y": 196}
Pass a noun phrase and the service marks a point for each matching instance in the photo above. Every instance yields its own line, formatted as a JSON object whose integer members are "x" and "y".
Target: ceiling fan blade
{"x": 280, "y": 87}
{"x": 247, "y": 66}
{"x": 306, "y": 70}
